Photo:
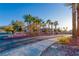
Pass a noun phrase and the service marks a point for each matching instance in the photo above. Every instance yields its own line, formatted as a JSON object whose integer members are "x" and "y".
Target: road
{"x": 31, "y": 49}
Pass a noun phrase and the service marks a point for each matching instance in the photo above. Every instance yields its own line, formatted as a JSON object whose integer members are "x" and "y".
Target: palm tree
{"x": 49, "y": 23}
{"x": 77, "y": 19}
{"x": 29, "y": 19}
{"x": 55, "y": 24}
{"x": 73, "y": 19}
{"x": 37, "y": 22}
{"x": 43, "y": 24}
{"x": 52, "y": 23}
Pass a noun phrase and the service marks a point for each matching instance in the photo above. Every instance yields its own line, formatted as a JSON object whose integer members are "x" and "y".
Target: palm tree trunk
{"x": 78, "y": 20}
{"x": 73, "y": 21}
{"x": 51, "y": 29}
{"x": 30, "y": 29}
{"x": 55, "y": 28}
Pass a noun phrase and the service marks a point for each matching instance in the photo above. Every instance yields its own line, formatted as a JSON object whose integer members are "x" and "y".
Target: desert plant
{"x": 64, "y": 40}
{"x": 8, "y": 28}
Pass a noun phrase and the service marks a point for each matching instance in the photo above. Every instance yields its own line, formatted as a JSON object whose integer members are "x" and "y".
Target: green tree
{"x": 32, "y": 20}
{"x": 37, "y": 22}
{"x": 17, "y": 26}
{"x": 29, "y": 19}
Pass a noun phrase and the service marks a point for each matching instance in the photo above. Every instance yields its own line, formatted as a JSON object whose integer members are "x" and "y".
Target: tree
{"x": 49, "y": 23}
{"x": 17, "y": 26}
{"x": 29, "y": 19}
{"x": 8, "y": 28}
{"x": 52, "y": 23}
{"x": 77, "y": 19}
{"x": 55, "y": 24}
{"x": 43, "y": 24}
{"x": 73, "y": 19}
{"x": 37, "y": 23}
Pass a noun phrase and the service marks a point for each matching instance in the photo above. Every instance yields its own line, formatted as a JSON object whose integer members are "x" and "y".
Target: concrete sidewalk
{"x": 34, "y": 49}
{"x": 17, "y": 43}
{"x": 7, "y": 45}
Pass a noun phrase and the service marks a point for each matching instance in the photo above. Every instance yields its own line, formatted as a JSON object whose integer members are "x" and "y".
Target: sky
{"x": 45, "y": 11}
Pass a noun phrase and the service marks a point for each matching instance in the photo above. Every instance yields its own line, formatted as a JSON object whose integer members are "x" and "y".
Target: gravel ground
{"x": 61, "y": 50}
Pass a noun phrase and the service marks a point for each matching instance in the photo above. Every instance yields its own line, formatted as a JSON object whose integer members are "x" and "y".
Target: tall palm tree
{"x": 73, "y": 19}
{"x": 29, "y": 19}
{"x": 37, "y": 22}
{"x": 55, "y": 24}
{"x": 52, "y": 23}
{"x": 77, "y": 19}
{"x": 49, "y": 23}
{"x": 43, "y": 24}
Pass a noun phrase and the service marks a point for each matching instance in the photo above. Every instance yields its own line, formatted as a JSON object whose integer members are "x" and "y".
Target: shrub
{"x": 8, "y": 28}
{"x": 64, "y": 40}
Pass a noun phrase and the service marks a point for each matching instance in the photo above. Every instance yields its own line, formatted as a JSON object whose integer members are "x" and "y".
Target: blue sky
{"x": 59, "y": 12}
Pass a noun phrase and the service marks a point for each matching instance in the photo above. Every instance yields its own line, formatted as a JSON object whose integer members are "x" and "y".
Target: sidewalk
{"x": 5, "y": 45}
{"x": 9, "y": 45}
{"x": 34, "y": 49}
